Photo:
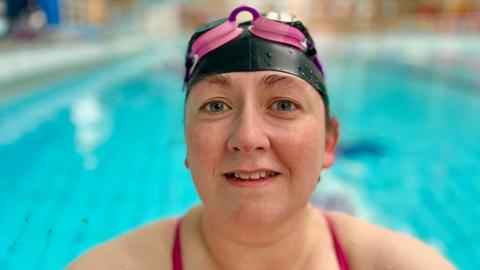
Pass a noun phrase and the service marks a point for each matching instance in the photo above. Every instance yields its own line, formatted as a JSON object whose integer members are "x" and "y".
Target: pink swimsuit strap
{"x": 341, "y": 258}
{"x": 177, "y": 251}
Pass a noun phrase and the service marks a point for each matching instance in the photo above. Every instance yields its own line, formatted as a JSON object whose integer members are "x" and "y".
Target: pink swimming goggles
{"x": 261, "y": 27}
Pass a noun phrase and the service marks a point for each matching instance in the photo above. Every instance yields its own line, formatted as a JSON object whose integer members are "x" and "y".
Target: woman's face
{"x": 256, "y": 143}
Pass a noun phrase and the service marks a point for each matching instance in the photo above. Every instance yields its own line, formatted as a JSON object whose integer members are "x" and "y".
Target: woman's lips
{"x": 255, "y": 179}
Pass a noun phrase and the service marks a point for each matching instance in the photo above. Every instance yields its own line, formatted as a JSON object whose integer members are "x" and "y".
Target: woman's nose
{"x": 248, "y": 133}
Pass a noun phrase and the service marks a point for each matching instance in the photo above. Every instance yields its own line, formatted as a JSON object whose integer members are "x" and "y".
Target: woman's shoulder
{"x": 142, "y": 248}
{"x": 372, "y": 247}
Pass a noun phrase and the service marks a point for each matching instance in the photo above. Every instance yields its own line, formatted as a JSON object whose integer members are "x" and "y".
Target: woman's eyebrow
{"x": 270, "y": 81}
{"x": 219, "y": 80}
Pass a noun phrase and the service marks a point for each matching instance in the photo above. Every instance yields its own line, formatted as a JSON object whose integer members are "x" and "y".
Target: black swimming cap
{"x": 250, "y": 53}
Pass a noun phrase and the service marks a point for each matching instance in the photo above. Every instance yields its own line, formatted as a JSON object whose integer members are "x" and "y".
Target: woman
{"x": 258, "y": 134}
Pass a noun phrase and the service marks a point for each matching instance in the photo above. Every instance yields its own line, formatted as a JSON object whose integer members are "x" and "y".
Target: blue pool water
{"x": 87, "y": 158}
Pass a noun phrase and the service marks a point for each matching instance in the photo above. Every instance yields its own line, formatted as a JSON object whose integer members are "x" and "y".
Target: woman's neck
{"x": 289, "y": 244}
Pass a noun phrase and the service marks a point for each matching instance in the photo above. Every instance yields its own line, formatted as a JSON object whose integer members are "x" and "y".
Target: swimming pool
{"x": 87, "y": 158}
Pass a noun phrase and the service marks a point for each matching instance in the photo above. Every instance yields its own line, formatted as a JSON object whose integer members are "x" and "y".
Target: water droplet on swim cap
{"x": 301, "y": 72}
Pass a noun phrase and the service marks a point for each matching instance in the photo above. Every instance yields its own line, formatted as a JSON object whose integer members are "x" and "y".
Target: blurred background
{"x": 91, "y": 124}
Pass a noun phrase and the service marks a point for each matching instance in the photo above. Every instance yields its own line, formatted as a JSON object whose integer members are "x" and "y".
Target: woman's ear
{"x": 331, "y": 140}
{"x": 186, "y": 164}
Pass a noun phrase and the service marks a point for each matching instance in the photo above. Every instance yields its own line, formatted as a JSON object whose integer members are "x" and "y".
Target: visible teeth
{"x": 254, "y": 176}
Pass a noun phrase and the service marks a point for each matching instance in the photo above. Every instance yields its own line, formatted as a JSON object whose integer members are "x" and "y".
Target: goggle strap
{"x": 318, "y": 65}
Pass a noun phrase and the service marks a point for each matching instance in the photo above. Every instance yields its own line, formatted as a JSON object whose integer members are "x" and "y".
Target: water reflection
{"x": 93, "y": 126}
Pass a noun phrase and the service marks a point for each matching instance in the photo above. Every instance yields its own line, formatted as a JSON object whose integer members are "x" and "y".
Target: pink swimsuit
{"x": 177, "y": 255}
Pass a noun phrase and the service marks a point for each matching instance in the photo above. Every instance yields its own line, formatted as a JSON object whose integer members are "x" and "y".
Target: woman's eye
{"x": 215, "y": 106}
{"x": 284, "y": 105}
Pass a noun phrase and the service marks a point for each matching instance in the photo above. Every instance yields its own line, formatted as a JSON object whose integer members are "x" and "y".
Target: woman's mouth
{"x": 251, "y": 179}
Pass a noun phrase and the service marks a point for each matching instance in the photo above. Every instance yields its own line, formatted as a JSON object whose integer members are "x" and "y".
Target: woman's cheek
{"x": 303, "y": 148}
{"x": 204, "y": 144}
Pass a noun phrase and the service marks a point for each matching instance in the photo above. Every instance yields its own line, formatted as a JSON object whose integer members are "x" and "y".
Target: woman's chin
{"x": 256, "y": 214}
